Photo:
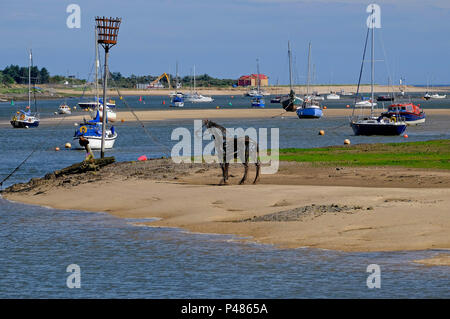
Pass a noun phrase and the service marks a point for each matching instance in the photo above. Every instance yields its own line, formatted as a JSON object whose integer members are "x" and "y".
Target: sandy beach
{"x": 320, "y": 207}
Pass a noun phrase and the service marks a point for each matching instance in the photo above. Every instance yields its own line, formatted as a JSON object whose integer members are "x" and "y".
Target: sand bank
{"x": 273, "y": 90}
{"x": 297, "y": 207}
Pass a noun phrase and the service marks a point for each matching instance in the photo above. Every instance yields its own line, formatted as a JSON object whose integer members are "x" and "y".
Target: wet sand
{"x": 300, "y": 206}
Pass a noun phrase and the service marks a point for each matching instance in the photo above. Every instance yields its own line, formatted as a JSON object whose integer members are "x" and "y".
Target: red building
{"x": 251, "y": 80}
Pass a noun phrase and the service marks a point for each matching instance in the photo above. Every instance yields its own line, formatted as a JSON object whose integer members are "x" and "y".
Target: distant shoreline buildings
{"x": 251, "y": 80}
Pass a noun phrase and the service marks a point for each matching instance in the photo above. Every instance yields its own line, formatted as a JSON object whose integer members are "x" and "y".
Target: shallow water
{"x": 119, "y": 258}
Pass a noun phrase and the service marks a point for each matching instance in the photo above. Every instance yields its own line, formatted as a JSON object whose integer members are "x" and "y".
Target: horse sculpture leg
{"x": 246, "y": 159}
{"x": 258, "y": 165}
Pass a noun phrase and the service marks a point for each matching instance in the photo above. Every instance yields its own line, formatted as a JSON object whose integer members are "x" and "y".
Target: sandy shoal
{"x": 273, "y": 90}
{"x": 392, "y": 217}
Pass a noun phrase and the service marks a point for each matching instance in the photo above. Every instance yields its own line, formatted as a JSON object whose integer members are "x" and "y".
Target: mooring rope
{"x": 154, "y": 139}
{"x": 27, "y": 158}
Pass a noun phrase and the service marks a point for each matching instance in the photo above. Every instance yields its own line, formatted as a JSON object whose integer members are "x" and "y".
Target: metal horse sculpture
{"x": 222, "y": 145}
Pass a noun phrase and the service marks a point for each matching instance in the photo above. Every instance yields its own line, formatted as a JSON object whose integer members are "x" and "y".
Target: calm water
{"x": 120, "y": 259}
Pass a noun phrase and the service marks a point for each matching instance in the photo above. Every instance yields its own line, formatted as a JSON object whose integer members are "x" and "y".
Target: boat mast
{"x": 309, "y": 68}
{"x": 96, "y": 67}
{"x": 194, "y": 78}
{"x": 257, "y": 74}
{"x": 176, "y": 81}
{"x": 290, "y": 64}
{"x": 373, "y": 65}
{"x": 29, "y": 80}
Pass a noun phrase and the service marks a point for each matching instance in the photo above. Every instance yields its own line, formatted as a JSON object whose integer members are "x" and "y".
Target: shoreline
{"x": 328, "y": 215}
{"x": 61, "y": 93}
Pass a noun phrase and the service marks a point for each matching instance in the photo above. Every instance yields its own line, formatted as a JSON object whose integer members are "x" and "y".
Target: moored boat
{"x": 92, "y": 131}
{"x": 372, "y": 124}
{"x": 24, "y": 118}
{"x": 64, "y": 109}
{"x": 410, "y": 113}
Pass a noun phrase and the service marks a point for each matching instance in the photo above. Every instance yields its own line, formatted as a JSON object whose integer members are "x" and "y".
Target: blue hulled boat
{"x": 258, "y": 102}
{"x": 177, "y": 101}
{"x": 92, "y": 131}
{"x": 311, "y": 111}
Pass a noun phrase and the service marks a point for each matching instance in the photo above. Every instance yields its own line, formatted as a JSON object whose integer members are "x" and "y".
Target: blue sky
{"x": 224, "y": 37}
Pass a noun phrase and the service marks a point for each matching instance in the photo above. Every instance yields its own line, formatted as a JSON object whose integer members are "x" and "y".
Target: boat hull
{"x": 95, "y": 142}
{"x": 367, "y": 129}
{"x": 24, "y": 124}
{"x": 309, "y": 113}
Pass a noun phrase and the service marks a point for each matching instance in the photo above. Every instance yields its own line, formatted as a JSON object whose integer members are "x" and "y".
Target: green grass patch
{"x": 429, "y": 154}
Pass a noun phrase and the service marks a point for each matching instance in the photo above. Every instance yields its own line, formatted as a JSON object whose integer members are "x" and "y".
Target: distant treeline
{"x": 15, "y": 74}
{"x": 200, "y": 80}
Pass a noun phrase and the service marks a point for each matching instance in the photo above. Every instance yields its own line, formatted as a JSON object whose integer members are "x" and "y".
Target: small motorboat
{"x": 275, "y": 100}
{"x": 310, "y": 109}
{"x": 410, "y": 113}
{"x": 177, "y": 101}
{"x": 365, "y": 103}
{"x": 64, "y": 109}
{"x": 438, "y": 96}
{"x": 385, "y": 98}
{"x": 333, "y": 96}
{"x": 258, "y": 101}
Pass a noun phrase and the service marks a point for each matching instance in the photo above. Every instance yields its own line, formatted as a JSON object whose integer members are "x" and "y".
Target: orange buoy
{"x": 324, "y": 107}
{"x": 321, "y": 132}
{"x": 56, "y": 148}
{"x": 122, "y": 120}
{"x": 164, "y": 102}
{"x": 142, "y": 158}
{"x": 68, "y": 145}
{"x": 405, "y": 136}
{"x": 347, "y": 105}
{"x": 346, "y": 142}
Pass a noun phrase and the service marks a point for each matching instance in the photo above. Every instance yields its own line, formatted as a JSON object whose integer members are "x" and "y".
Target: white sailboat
{"x": 195, "y": 97}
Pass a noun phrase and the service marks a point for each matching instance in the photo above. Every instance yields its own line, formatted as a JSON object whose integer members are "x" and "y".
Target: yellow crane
{"x": 160, "y": 77}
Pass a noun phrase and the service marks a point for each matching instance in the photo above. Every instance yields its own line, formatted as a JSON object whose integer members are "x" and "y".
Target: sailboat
{"x": 257, "y": 100}
{"x": 291, "y": 101}
{"x": 374, "y": 125}
{"x": 310, "y": 107}
{"x": 24, "y": 118}
{"x": 195, "y": 97}
{"x": 177, "y": 97}
{"x": 92, "y": 130}
{"x": 97, "y": 105}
